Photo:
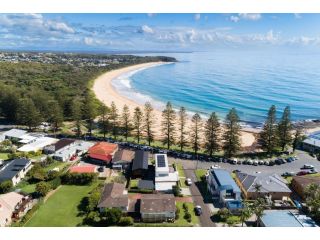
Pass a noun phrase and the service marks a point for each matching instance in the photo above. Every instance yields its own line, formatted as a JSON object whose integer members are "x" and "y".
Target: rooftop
{"x": 15, "y": 133}
{"x": 38, "y": 144}
{"x": 113, "y": 196}
{"x": 62, "y": 143}
{"x": 285, "y": 218}
{"x": 103, "y": 151}
{"x": 224, "y": 179}
{"x": 157, "y": 203}
{"x": 140, "y": 160}
{"x": 83, "y": 169}
{"x": 304, "y": 181}
{"x": 9, "y": 170}
{"x": 123, "y": 155}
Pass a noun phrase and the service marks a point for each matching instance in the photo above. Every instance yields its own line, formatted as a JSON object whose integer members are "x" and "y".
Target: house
{"x": 38, "y": 144}
{"x": 83, "y": 169}
{"x": 312, "y": 143}
{"x": 285, "y": 218}
{"x": 102, "y": 152}
{"x": 13, "y": 206}
{"x": 61, "y": 144}
{"x": 14, "y": 134}
{"x": 29, "y": 138}
{"x": 299, "y": 183}
{"x": 222, "y": 186}
{"x": 122, "y": 159}
{"x": 15, "y": 170}
{"x": 273, "y": 186}
{"x": 157, "y": 207}
{"x": 165, "y": 176}
{"x": 72, "y": 151}
{"x": 140, "y": 163}
{"x": 114, "y": 195}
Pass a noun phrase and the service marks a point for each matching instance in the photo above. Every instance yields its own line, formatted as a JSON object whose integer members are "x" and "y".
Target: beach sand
{"x": 106, "y": 93}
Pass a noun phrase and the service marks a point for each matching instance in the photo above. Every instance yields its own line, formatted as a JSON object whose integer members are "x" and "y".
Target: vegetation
{"x": 312, "y": 193}
{"x": 182, "y": 120}
{"x": 212, "y": 135}
{"x": 42, "y": 188}
{"x": 137, "y": 123}
{"x": 195, "y": 132}
{"x": 78, "y": 178}
{"x": 268, "y": 136}
{"x": 126, "y": 122}
{"x": 6, "y": 186}
{"x": 168, "y": 125}
{"x": 284, "y": 129}
{"x": 231, "y": 135}
{"x": 148, "y": 122}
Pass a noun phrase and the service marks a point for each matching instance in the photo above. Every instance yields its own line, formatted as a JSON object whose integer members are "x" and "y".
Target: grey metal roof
{"x": 15, "y": 133}
{"x": 145, "y": 184}
{"x": 140, "y": 160}
{"x": 224, "y": 179}
{"x": 9, "y": 170}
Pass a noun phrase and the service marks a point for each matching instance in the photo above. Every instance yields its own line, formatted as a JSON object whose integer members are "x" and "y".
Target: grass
{"x": 182, "y": 175}
{"x": 61, "y": 209}
{"x": 3, "y": 156}
{"x": 289, "y": 179}
{"x": 180, "y": 222}
{"x": 200, "y": 173}
{"x": 26, "y": 187}
{"x": 134, "y": 183}
{"x": 56, "y": 164}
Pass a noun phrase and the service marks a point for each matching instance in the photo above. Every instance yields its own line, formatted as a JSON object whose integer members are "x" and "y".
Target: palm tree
{"x": 259, "y": 212}
{"x": 245, "y": 213}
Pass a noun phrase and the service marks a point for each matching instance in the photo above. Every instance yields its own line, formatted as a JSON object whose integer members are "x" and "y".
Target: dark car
{"x": 301, "y": 173}
{"x": 271, "y": 163}
{"x": 100, "y": 169}
{"x": 277, "y": 161}
{"x": 198, "y": 210}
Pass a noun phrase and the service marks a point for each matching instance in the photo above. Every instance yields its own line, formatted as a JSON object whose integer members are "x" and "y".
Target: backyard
{"x": 61, "y": 209}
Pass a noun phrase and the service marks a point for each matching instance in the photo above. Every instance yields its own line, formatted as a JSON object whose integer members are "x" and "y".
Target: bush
{"x": 176, "y": 191}
{"x": 54, "y": 183}
{"x": 185, "y": 207}
{"x": 37, "y": 174}
{"x": 42, "y": 188}
{"x": 5, "y": 186}
{"x": 92, "y": 218}
{"x": 177, "y": 213}
{"x": 126, "y": 221}
{"x": 187, "y": 216}
{"x": 112, "y": 215}
{"x": 232, "y": 220}
{"x": 223, "y": 214}
{"x": 78, "y": 178}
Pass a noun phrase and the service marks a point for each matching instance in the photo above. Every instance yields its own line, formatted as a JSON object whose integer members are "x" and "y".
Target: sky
{"x": 158, "y": 32}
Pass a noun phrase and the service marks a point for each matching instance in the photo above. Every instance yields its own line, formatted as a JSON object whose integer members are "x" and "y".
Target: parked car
{"x": 100, "y": 169}
{"x": 266, "y": 163}
{"x": 255, "y": 163}
{"x": 250, "y": 162}
{"x": 282, "y": 161}
{"x": 225, "y": 160}
{"x": 215, "y": 166}
{"x": 261, "y": 162}
{"x": 277, "y": 161}
{"x": 288, "y": 174}
{"x": 245, "y": 161}
{"x": 198, "y": 210}
{"x": 301, "y": 173}
{"x": 312, "y": 171}
{"x": 307, "y": 166}
{"x": 236, "y": 171}
{"x": 271, "y": 163}
{"x": 188, "y": 182}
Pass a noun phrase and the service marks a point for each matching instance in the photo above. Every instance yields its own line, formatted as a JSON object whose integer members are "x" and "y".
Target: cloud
{"x": 197, "y": 16}
{"x": 147, "y": 29}
{"x": 245, "y": 16}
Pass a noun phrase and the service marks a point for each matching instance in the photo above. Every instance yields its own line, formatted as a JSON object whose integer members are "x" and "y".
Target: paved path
{"x": 205, "y": 219}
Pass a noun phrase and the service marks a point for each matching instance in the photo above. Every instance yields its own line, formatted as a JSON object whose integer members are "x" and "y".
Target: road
{"x": 205, "y": 219}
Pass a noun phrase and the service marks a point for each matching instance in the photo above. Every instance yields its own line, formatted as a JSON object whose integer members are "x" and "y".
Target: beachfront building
{"x": 15, "y": 170}
{"x": 223, "y": 187}
{"x": 312, "y": 143}
{"x": 102, "y": 152}
{"x": 272, "y": 186}
{"x": 165, "y": 176}
{"x": 140, "y": 164}
{"x": 285, "y": 218}
{"x": 300, "y": 183}
{"x": 157, "y": 207}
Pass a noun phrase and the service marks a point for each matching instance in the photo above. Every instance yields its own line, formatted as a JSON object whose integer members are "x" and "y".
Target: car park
{"x": 198, "y": 210}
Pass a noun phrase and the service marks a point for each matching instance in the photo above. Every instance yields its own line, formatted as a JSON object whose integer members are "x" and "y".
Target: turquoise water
{"x": 250, "y": 81}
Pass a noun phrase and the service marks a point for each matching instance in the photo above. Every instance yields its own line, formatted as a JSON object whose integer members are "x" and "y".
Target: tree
{"x": 297, "y": 139}
{"x": 104, "y": 120}
{"x": 168, "y": 125}
{"x": 125, "y": 221}
{"x": 284, "y": 129}
{"x": 137, "y": 123}
{"x": 77, "y": 115}
{"x": 268, "y": 136}
{"x": 42, "y": 188}
{"x": 114, "y": 119}
{"x": 195, "y": 132}
{"x": 312, "y": 196}
{"x": 28, "y": 114}
{"x": 245, "y": 213}
{"x": 182, "y": 121}
{"x": 126, "y": 121}
{"x": 231, "y": 136}
{"x": 212, "y": 134}
{"x": 5, "y": 186}
{"x": 112, "y": 215}
{"x": 9, "y": 102}
{"x": 55, "y": 115}
{"x": 148, "y": 122}
{"x": 93, "y": 200}
{"x": 89, "y": 111}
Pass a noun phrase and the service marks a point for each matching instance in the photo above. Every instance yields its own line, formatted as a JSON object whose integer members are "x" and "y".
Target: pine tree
{"x": 212, "y": 134}
{"x": 89, "y": 111}
{"x": 182, "y": 120}
{"x": 231, "y": 135}
{"x": 268, "y": 136}
{"x": 168, "y": 125}
{"x": 28, "y": 114}
{"x": 126, "y": 121}
{"x": 55, "y": 117}
{"x": 148, "y": 122}
{"x": 137, "y": 123}
{"x": 114, "y": 118}
{"x": 284, "y": 129}
{"x": 195, "y": 132}
{"x": 104, "y": 119}
{"x": 298, "y": 138}
{"x": 77, "y": 115}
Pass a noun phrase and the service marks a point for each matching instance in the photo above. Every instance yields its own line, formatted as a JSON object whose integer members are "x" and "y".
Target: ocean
{"x": 250, "y": 81}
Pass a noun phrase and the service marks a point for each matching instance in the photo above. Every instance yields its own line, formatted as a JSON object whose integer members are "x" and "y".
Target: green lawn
{"x": 182, "y": 175}
{"x": 3, "y": 156}
{"x": 26, "y": 187}
{"x": 200, "y": 173}
{"x": 56, "y": 164}
{"x": 61, "y": 209}
{"x": 134, "y": 183}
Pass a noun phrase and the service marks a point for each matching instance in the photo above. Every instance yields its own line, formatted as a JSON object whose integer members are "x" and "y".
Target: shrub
{"x": 92, "y": 218}
{"x": 29, "y": 214}
{"x": 223, "y": 214}
{"x": 177, "y": 213}
{"x": 185, "y": 207}
{"x": 112, "y": 215}
{"x": 5, "y": 186}
{"x": 78, "y": 178}
{"x": 187, "y": 216}
{"x": 54, "y": 183}
{"x": 42, "y": 188}
{"x": 176, "y": 191}
{"x": 126, "y": 221}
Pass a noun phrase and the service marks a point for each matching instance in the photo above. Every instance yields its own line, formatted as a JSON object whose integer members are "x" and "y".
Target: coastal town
{"x": 102, "y": 159}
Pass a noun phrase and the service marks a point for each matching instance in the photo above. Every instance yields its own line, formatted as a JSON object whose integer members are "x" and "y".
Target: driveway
{"x": 205, "y": 219}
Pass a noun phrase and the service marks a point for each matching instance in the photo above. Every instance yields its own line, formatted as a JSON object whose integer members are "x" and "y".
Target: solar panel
{"x": 161, "y": 161}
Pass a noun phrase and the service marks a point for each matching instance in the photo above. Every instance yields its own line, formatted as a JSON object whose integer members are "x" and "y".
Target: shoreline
{"x": 106, "y": 93}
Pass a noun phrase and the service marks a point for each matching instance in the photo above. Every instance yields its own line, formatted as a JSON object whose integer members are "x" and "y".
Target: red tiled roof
{"x": 103, "y": 151}
{"x": 83, "y": 169}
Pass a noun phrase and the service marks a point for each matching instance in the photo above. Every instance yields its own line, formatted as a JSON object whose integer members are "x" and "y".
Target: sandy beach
{"x": 106, "y": 93}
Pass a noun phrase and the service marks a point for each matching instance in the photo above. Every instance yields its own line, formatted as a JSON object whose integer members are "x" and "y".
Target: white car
{"x": 188, "y": 182}
{"x": 214, "y": 166}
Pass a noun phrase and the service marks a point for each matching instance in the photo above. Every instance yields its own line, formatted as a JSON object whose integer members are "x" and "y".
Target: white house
{"x": 14, "y": 134}
{"x": 15, "y": 170}
{"x": 38, "y": 144}
{"x": 165, "y": 177}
